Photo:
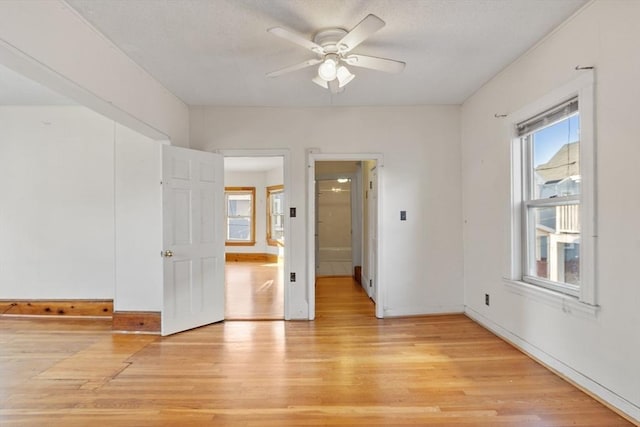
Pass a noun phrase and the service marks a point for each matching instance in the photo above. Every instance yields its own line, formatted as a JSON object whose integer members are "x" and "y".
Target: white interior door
{"x": 193, "y": 216}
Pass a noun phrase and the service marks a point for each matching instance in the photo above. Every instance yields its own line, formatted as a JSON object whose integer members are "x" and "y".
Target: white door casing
{"x": 193, "y": 251}
{"x": 372, "y": 235}
{"x": 312, "y": 156}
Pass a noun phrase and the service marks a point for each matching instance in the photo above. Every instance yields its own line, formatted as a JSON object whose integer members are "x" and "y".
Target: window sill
{"x": 567, "y": 303}
{"x": 240, "y": 243}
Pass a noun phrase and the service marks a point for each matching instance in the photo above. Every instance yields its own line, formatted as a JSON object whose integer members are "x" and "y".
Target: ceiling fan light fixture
{"x": 327, "y": 71}
{"x": 344, "y": 75}
{"x": 320, "y": 82}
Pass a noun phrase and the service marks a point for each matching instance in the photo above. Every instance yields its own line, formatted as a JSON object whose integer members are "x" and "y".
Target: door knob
{"x": 167, "y": 254}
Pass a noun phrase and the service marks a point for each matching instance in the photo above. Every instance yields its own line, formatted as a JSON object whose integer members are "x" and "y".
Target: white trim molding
{"x": 577, "y": 378}
{"x": 583, "y": 88}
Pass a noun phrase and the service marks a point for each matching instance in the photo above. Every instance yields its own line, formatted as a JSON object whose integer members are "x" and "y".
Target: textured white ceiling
{"x": 217, "y": 52}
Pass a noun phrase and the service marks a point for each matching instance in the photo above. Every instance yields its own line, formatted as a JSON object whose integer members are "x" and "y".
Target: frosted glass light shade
{"x": 327, "y": 70}
{"x": 344, "y": 75}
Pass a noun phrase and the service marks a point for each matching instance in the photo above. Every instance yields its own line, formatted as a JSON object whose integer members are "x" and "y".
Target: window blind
{"x": 547, "y": 118}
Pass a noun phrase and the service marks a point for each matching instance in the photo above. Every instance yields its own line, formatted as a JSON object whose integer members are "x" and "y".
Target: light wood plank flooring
{"x": 346, "y": 368}
{"x": 253, "y": 291}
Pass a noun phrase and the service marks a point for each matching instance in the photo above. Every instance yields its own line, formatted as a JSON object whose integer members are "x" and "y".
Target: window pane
{"x": 277, "y": 203}
{"x": 239, "y": 229}
{"x": 554, "y": 251}
{"x": 556, "y": 159}
{"x": 277, "y": 229}
{"x": 276, "y": 216}
{"x": 239, "y": 204}
{"x": 239, "y": 216}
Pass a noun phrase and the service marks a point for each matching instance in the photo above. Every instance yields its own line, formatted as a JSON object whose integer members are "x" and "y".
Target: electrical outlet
{"x": 486, "y": 299}
{"x": 292, "y": 277}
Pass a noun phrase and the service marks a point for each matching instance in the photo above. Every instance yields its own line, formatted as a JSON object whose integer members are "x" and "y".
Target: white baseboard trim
{"x": 607, "y": 396}
{"x": 424, "y": 311}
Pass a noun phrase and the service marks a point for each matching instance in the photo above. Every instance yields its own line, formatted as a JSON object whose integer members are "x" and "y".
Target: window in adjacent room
{"x": 240, "y": 215}
{"x": 553, "y": 189}
{"x": 275, "y": 215}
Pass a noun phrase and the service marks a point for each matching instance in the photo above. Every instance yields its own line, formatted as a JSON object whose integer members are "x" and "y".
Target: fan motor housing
{"x": 329, "y": 39}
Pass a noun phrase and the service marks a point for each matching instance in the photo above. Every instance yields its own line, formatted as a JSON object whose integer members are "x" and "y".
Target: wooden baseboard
{"x": 136, "y": 321}
{"x": 250, "y": 257}
{"x": 99, "y": 308}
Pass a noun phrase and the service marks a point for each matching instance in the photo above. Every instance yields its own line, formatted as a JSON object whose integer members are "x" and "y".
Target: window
{"x": 275, "y": 215}
{"x": 551, "y": 198}
{"x": 240, "y": 205}
{"x": 553, "y": 192}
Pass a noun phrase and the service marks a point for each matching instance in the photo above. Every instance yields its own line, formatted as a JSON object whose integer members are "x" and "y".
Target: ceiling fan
{"x": 333, "y": 52}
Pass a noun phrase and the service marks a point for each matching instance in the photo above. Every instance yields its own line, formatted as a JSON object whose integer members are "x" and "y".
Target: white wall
{"x": 138, "y": 222}
{"x": 603, "y": 351}
{"x": 275, "y": 176}
{"x": 81, "y": 212}
{"x": 334, "y": 222}
{"x": 57, "y": 210}
{"x": 68, "y": 55}
{"x": 421, "y": 147}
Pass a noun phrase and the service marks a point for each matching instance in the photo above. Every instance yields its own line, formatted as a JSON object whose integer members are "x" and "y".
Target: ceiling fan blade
{"x": 379, "y": 64}
{"x": 334, "y": 86}
{"x": 305, "y": 64}
{"x": 297, "y": 39}
{"x": 369, "y": 25}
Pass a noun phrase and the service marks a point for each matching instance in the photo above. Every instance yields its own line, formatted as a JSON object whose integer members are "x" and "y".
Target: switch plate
{"x": 486, "y": 299}
{"x": 292, "y": 277}
{"x": 292, "y": 212}
{"x": 403, "y": 215}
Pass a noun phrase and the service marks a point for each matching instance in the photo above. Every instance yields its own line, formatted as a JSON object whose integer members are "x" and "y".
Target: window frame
{"x": 582, "y": 88}
{"x": 240, "y": 190}
{"x": 274, "y": 189}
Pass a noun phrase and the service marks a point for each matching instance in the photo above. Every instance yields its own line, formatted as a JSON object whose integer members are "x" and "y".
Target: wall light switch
{"x": 292, "y": 212}
{"x": 403, "y": 215}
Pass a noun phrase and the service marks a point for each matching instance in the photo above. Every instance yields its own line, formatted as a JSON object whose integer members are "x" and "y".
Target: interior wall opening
{"x": 254, "y": 237}
{"x": 345, "y": 220}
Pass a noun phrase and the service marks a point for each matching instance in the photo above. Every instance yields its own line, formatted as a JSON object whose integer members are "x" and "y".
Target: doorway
{"x": 344, "y": 232}
{"x": 255, "y": 232}
{"x": 336, "y": 225}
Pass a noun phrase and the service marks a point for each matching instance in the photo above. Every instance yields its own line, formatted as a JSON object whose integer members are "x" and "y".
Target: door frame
{"x": 287, "y": 197}
{"x": 312, "y": 157}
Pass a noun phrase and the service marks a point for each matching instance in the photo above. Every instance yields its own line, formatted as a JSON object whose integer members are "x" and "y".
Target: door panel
{"x": 193, "y": 192}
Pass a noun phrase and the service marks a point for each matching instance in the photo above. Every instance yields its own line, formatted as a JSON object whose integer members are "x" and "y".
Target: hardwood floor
{"x": 345, "y": 368}
{"x": 253, "y": 291}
